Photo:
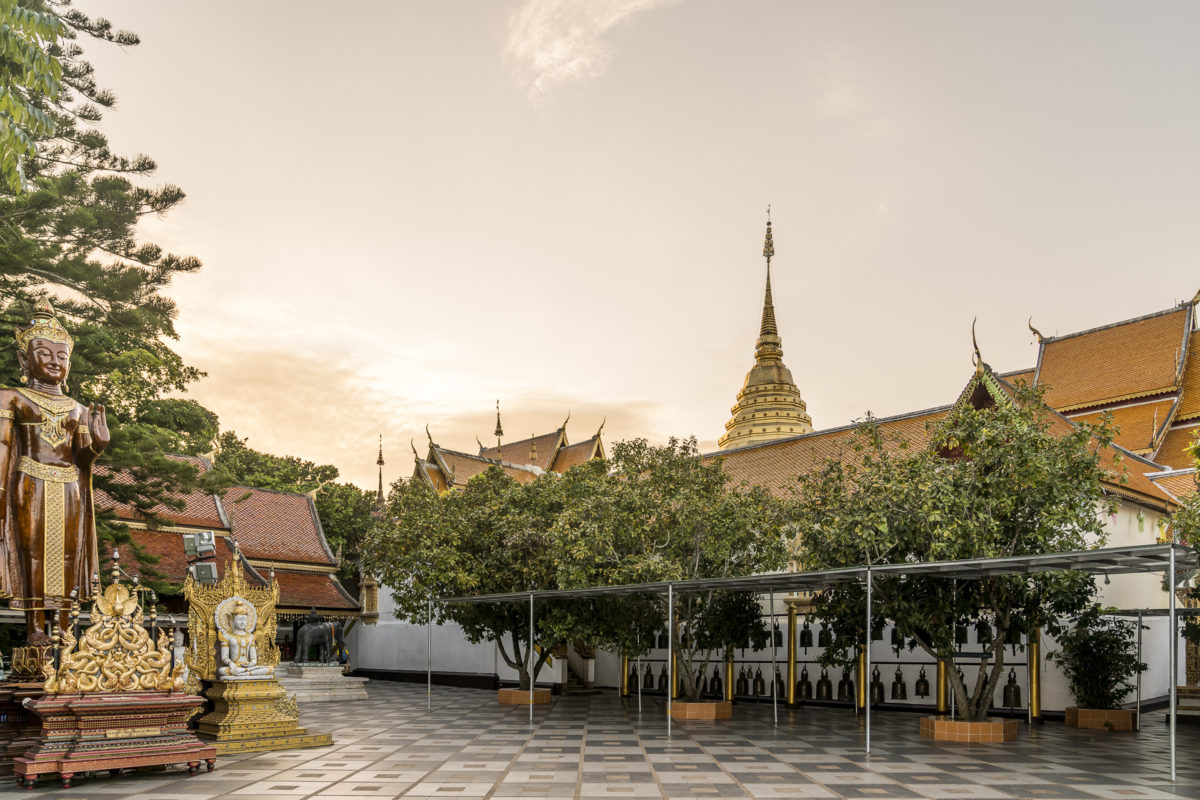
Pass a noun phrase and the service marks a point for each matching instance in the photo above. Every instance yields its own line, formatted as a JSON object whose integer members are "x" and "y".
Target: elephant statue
{"x": 326, "y": 636}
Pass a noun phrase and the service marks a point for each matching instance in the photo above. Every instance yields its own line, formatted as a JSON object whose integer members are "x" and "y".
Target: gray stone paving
{"x": 600, "y": 747}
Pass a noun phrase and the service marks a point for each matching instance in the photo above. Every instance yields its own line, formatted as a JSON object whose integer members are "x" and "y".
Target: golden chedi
{"x": 769, "y": 405}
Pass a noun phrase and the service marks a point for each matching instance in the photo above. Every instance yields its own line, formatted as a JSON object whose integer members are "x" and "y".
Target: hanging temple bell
{"x": 921, "y": 689}
{"x": 648, "y": 681}
{"x": 824, "y": 686}
{"x": 899, "y": 689}
{"x": 804, "y": 689}
{"x": 663, "y": 679}
{"x": 742, "y": 687}
{"x": 1012, "y": 691}
{"x": 806, "y": 640}
{"x": 715, "y": 686}
{"x": 845, "y": 687}
{"x": 876, "y": 687}
{"x": 760, "y": 685}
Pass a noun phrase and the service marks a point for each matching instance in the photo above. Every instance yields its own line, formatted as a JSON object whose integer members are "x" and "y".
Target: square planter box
{"x": 1120, "y": 719}
{"x": 944, "y": 729}
{"x": 681, "y": 709}
{"x": 520, "y": 697}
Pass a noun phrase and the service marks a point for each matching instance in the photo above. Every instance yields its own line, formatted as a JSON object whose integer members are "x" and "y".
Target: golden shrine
{"x": 113, "y": 698}
{"x": 232, "y": 627}
{"x": 769, "y": 405}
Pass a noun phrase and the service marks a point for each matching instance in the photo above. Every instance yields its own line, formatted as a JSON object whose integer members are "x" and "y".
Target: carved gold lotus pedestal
{"x": 252, "y": 716}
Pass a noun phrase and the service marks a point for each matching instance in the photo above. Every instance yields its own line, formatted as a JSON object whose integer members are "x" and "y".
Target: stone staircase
{"x": 1187, "y": 702}
{"x": 575, "y": 686}
{"x": 320, "y": 683}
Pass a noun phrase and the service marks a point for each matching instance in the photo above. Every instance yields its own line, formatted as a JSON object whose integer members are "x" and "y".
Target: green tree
{"x": 249, "y": 467}
{"x": 1003, "y": 476}
{"x": 1099, "y": 659}
{"x": 663, "y": 514}
{"x": 346, "y": 516}
{"x": 29, "y": 71}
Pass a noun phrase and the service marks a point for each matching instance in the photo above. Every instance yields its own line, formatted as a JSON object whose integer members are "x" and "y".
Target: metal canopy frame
{"x": 1168, "y": 558}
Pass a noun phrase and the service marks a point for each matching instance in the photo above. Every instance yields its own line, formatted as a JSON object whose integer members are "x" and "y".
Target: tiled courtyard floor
{"x": 600, "y": 747}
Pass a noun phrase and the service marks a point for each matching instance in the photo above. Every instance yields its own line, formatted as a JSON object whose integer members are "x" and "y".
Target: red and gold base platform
{"x": 112, "y": 731}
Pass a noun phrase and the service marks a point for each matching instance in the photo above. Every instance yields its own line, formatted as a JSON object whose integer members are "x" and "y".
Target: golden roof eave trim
{"x": 291, "y": 566}
{"x": 140, "y": 525}
{"x": 1120, "y": 399}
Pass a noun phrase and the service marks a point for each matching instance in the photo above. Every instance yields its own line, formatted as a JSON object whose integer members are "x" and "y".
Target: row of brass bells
{"x": 845, "y": 688}
{"x": 1012, "y": 692}
{"x": 633, "y": 676}
{"x": 804, "y": 689}
{"x": 716, "y": 686}
{"x": 921, "y": 689}
{"x": 876, "y": 687}
{"x": 823, "y": 637}
{"x": 760, "y": 685}
{"x": 778, "y": 634}
{"x": 742, "y": 687}
{"x": 899, "y": 689}
{"x": 780, "y": 686}
{"x": 663, "y": 640}
{"x": 824, "y": 686}
{"x": 663, "y": 679}
{"x": 648, "y": 681}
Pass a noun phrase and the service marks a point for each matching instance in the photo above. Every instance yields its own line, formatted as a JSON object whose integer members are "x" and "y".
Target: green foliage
{"x": 996, "y": 481}
{"x": 1099, "y": 659}
{"x": 345, "y": 512}
{"x": 30, "y": 75}
{"x": 651, "y": 514}
{"x": 249, "y": 467}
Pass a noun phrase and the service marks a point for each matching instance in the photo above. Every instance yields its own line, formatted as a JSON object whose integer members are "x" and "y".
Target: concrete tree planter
{"x": 682, "y": 709}
{"x": 520, "y": 697}
{"x": 1113, "y": 719}
{"x": 944, "y": 729}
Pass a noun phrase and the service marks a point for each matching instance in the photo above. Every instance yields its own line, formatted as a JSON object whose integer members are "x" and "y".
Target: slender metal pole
{"x": 1137, "y": 725}
{"x": 429, "y": 655}
{"x": 529, "y": 658}
{"x": 670, "y": 652}
{"x": 639, "y": 682}
{"x": 774, "y": 667}
{"x": 867, "y": 648}
{"x": 1172, "y": 635}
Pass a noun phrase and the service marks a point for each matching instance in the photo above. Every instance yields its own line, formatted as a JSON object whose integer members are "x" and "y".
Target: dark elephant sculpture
{"x": 324, "y": 635}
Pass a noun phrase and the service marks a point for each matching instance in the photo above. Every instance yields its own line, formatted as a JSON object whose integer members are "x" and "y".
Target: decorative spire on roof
{"x": 499, "y": 428}
{"x": 976, "y": 358}
{"x": 1036, "y": 332}
{"x": 769, "y": 405}
{"x": 379, "y": 461}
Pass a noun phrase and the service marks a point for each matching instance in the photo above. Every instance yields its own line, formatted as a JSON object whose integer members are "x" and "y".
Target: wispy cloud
{"x": 551, "y": 42}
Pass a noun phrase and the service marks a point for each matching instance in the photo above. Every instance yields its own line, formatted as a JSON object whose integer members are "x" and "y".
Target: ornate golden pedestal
{"x": 252, "y": 716}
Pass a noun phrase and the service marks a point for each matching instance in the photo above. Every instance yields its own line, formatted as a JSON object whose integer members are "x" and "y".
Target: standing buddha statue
{"x": 48, "y": 444}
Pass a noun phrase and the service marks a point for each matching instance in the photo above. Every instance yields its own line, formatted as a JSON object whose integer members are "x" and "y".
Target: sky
{"x": 408, "y": 210}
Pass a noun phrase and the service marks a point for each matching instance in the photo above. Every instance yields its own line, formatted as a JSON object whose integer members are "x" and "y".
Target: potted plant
{"x": 1099, "y": 659}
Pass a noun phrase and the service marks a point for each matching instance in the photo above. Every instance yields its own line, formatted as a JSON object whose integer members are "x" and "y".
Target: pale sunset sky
{"x": 406, "y": 210}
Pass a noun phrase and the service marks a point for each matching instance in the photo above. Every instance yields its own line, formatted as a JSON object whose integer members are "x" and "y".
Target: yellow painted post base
{"x": 255, "y": 716}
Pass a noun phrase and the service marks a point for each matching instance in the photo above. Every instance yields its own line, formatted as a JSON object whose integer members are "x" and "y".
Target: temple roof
{"x": 200, "y": 509}
{"x": 1189, "y": 406}
{"x": 1134, "y": 358}
{"x": 524, "y": 451}
{"x": 1141, "y": 424}
{"x": 1172, "y": 452}
{"x": 277, "y": 526}
{"x": 578, "y": 453}
{"x": 319, "y": 590}
{"x": 1180, "y": 484}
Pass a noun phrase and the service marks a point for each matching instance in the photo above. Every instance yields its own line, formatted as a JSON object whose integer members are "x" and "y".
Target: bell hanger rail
{"x": 1107, "y": 560}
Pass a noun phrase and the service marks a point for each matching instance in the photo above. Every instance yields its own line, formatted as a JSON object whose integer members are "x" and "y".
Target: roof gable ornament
{"x": 1036, "y": 332}
{"x": 499, "y": 428}
{"x": 976, "y": 358}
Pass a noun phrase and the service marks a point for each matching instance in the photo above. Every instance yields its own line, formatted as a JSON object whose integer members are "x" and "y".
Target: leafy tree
{"x": 1003, "y": 476}
{"x": 663, "y": 514}
{"x": 28, "y": 70}
{"x": 346, "y": 514}
{"x": 249, "y": 467}
{"x": 1099, "y": 659}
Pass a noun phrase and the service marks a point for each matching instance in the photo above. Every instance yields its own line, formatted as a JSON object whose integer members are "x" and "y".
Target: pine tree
{"x": 72, "y": 236}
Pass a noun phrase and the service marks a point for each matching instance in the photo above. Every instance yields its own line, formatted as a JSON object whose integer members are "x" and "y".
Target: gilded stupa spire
{"x": 499, "y": 428}
{"x": 379, "y": 461}
{"x": 769, "y": 405}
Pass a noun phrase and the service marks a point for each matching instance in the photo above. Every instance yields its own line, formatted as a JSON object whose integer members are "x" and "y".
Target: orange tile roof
{"x": 1189, "y": 406}
{"x": 465, "y": 466}
{"x": 305, "y": 590}
{"x": 276, "y": 526}
{"x": 574, "y": 455}
{"x": 167, "y": 547}
{"x": 1135, "y": 358}
{"x": 776, "y": 464}
{"x": 1138, "y": 423}
{"x": 1171, "y": 452}
{"x": 1025, "y": 375}
{"x": 1181, "y": 485}
{"x": 200, "y": 509}
{"x": 518, "y": 452}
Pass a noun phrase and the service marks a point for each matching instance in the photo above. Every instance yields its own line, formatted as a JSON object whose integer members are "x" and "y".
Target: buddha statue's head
{"x": 240, "y": 619}
{"x": 44, "y": 347}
